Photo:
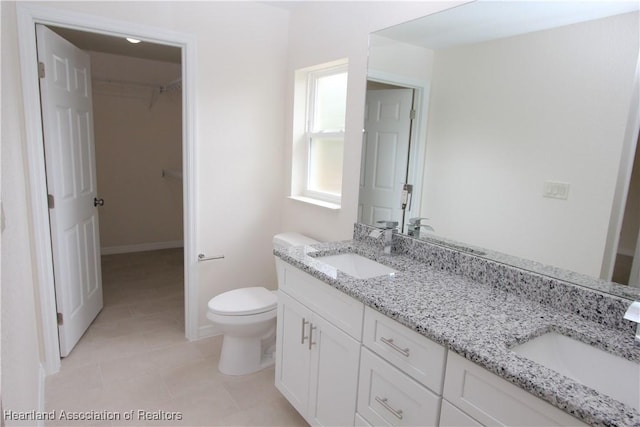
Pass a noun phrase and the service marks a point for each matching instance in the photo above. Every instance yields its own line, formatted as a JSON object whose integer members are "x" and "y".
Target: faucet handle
{"x": 416, "y": 221}
{"x": 633, "y": 312}
{"x": 388, "y": 225}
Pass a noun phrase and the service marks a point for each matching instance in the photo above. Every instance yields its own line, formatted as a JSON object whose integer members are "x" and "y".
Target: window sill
{"x": 316, "y": 202}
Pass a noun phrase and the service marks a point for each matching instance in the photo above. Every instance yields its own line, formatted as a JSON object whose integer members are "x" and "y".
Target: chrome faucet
{"x": 414, "y": 226}
{"x": 633, "y": 314}
{"x": 389, "y": 229}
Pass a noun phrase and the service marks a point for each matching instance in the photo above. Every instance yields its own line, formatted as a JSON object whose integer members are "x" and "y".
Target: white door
{"x": 67, "y": 116}
{"x": 292, "y": 352}
{"x": 335, "y": 358}
{"x": 385, "y": 154}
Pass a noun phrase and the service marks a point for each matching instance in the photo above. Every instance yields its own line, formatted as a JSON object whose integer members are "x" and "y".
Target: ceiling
{"x": 489, "y": 20}
{"x": 119, "y": 45}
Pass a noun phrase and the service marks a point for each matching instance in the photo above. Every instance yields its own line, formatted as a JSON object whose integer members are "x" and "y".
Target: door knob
{"x": 98, "y": 202}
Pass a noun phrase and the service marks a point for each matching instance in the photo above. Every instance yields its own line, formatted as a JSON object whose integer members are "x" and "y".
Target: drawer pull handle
{"x": 390, "y": 343}
{"x": 384, "y": 402}
{"x": 311, "y": 328}
{"x": 302, "y": 336}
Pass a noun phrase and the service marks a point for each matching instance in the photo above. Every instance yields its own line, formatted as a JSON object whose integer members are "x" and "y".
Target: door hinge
{"x": 60, "y": 318}
{"x": 41, "y": 70}
{"x": 412, "y": 114}
{"x": 51, "y": 201}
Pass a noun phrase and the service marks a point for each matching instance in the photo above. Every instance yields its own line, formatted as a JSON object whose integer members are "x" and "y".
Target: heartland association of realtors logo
{"x": 139, "y": 414}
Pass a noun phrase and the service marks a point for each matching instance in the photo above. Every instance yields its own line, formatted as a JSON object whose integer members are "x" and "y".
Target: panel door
{"x": 335, "y": 358}
{"x": 385, "y": 154}
{"x": 67, "y": 115}
{"x": 292, "y": 352}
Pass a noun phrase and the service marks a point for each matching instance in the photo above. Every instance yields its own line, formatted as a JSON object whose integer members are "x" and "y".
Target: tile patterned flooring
{"x": 134, "y": 357}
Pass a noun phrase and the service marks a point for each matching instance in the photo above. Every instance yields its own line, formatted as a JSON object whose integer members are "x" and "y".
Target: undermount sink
{"x": 356, "y": 265}
{"x": 612, "y": 375}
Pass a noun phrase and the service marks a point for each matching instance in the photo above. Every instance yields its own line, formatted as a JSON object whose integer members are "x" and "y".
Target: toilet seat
{"x": 243, "y": 302}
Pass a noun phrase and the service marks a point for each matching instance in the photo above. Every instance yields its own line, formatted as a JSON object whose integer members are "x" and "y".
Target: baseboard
{"x": 208, "y": 331}
{"x": 626, "y": 252}
{"x": 141, "y": 247}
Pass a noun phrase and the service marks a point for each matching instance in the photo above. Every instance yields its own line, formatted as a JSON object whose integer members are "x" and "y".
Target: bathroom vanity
{"x": 436, "y": 340}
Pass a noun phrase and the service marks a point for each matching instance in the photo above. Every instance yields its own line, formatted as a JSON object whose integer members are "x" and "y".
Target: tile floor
{"x": 135, "y": 357}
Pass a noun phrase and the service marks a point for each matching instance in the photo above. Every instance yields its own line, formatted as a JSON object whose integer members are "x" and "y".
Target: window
{"x": 319, "y": 140}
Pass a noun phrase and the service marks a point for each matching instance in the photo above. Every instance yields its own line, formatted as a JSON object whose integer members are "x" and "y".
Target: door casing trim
{"x": 28, "y": 16}
{"x": 418, "y": 142}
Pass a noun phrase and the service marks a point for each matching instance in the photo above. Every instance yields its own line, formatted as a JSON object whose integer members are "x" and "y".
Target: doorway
{"x": 134, "y": 159}
{"x": 30, "y": 15}
{"x": 398, "y": 169}
{"x": 627, "y": 262}
{"x": 385, "y": 154}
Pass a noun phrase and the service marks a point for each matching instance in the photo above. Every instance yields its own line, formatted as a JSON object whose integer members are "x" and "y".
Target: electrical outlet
{"x": 556, "y": 190}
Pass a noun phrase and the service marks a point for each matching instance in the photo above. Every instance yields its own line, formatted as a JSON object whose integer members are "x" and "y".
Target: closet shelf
{"x": 157, "y": 89}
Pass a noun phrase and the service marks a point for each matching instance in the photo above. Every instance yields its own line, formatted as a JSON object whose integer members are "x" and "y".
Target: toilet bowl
{"x": 247, "y": 318}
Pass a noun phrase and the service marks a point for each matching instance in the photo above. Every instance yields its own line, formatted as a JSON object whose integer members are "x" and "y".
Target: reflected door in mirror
{"x": 384, "y": 155}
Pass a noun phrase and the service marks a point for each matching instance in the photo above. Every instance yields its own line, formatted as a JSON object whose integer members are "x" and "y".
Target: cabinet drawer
{"x": 361, "y": 422}
{"x": 494, "y": 401}
{"x": 388, "y": 397}
{"x": 450, "y": 416}
{"x": 337, "y": 307}
{"x": 419, "y": 357}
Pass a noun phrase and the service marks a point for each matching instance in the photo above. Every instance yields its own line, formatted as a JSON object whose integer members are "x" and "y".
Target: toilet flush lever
{"x": 203, "y": 257}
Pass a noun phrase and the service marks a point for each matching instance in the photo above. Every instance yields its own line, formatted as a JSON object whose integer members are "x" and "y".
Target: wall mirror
{"x": 515, "y": 126}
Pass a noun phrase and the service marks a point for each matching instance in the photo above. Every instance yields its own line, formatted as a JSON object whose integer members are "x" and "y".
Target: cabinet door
{"x": 292, "y": 352}
{"x": 334, "y": 378}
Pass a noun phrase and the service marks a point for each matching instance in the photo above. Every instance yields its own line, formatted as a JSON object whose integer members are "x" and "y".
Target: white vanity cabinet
{"x": 339, "y": 363}
{"x": 475, "y": 396}
{"x": 401, "y": 374}
{"x": 317, "y": 348}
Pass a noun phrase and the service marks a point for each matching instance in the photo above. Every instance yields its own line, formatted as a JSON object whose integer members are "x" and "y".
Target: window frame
{"x": 307, "y": 133}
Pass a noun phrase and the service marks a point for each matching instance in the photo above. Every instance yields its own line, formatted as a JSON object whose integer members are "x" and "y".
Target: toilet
{"x": 247, "y": 318}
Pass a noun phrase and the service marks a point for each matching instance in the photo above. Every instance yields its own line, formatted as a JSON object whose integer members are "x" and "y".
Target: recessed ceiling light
{"x": 132, "y": 40}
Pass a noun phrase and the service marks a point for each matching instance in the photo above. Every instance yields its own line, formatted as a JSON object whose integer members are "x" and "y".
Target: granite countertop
{"x": 479, "y": 322}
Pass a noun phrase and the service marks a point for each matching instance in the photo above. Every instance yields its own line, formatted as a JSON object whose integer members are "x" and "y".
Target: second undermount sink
{"x": 356, "y": 265}
{"x": 607, "y": 373}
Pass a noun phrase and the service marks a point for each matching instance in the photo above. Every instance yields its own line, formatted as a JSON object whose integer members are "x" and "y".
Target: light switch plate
{"x": 556, "y": 190}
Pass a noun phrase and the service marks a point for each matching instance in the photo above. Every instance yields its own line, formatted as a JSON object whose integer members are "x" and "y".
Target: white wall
{"x": 326, "y": 31}
{"x": 244, "y": 81}
{"x": 400, "y": 59}
{"x": 241, "y": 68}
{"x": 508, "y": 115}
{"x": 240, "y": 85}
{"x": 135, "y": 140}
{"x": 20, "y": 365}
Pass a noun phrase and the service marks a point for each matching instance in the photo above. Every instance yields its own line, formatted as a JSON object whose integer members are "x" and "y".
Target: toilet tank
{"x": 288, "y": 239}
